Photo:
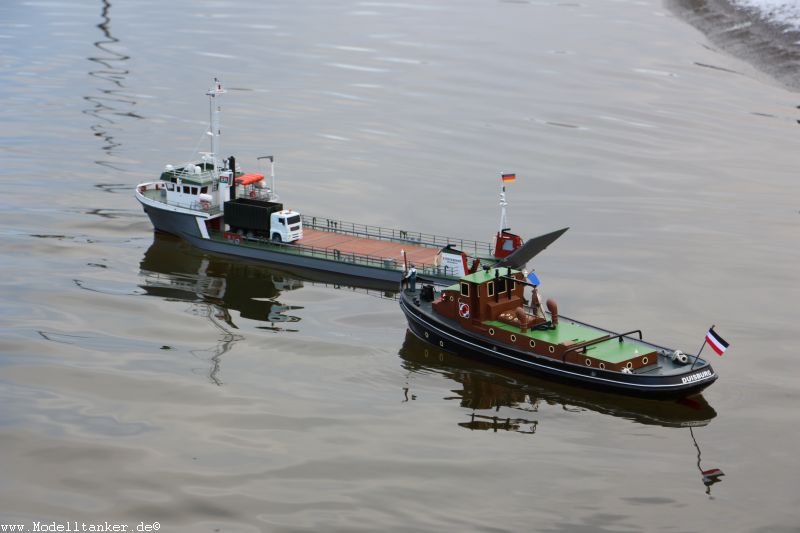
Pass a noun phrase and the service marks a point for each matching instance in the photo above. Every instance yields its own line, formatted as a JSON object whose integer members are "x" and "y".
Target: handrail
{"x": 582, "y": 345}
{"x": 396, "y": 235}
{"x": 183, "y": 173}
{"x": 628, "y": 333}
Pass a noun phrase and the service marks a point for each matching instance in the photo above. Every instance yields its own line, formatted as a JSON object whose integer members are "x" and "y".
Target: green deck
{"x": 610, "y": 351}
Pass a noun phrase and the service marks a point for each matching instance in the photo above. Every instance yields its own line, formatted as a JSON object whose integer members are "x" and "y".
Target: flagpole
{"x": 503, "y": 204}
{"x": 696, "y": 357}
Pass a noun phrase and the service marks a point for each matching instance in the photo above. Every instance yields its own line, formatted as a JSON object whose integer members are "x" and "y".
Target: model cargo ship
{"x": 485, "y": 315}
{"x": 216, "y": 207}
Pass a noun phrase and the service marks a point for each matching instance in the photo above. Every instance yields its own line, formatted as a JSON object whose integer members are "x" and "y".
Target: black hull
{"x": 452, "y": 338}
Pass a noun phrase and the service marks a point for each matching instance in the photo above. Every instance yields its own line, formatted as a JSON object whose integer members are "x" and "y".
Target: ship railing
{"x": 477, "y": 248}
{"x": 250, "y": 191}
{"x": 183, "y": 173}
{"x": 334, "y": 254}
{"x": 156, "y": 191}
{"x": 197, "y": 205}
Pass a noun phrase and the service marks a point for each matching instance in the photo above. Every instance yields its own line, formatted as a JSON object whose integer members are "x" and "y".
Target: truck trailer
{"x": 254, "y": 217}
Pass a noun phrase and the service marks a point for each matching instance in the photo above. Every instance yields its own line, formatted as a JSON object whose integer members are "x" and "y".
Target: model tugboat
{"x": 485, "y": 315}
{"x": 215, "y": 206}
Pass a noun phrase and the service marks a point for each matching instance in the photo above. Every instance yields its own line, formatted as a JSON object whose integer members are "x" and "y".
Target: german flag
{"x": 508, "y": 178}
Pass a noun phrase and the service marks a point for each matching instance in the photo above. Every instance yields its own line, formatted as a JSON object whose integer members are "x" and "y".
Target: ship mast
{"x": 504, "y": 178}
{"x": 214, "y": 131}
{"x": 503, "y": 203}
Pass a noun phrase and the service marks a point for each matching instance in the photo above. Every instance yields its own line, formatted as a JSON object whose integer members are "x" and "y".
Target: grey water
{"x": 143, "y": 381}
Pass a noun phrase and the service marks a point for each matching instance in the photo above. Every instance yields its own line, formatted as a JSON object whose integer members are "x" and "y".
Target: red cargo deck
{"x": 348, "y": 244}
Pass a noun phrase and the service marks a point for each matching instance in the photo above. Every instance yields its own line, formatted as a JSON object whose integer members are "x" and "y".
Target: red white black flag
{"x": 717, "y": 343}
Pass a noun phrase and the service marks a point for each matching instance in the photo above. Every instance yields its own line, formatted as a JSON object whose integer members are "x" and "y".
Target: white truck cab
{"x": 286, "y": 225}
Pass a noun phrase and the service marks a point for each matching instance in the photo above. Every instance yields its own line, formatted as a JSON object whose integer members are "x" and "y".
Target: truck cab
{"x": 286, "y": 225}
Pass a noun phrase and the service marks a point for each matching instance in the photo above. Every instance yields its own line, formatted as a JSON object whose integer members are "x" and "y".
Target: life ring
{"x": 463, "y": 310}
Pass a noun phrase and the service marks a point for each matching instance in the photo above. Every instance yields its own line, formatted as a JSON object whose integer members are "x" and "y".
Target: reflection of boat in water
{"x": 486, "y": 387}
{"x": 174, "y": 270}
{"x": 502, "y": 399}
{"x": 216, "y": 287}
{"x": 247, "y": 286}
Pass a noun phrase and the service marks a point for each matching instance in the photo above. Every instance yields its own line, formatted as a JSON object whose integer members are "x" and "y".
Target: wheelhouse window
{"x": 490, "y": 288}
{"x": 464, "y": 289}
{"x": 203, "y": 190}
{"x": 501, "y": 285}
{"x": 194, "y": 191}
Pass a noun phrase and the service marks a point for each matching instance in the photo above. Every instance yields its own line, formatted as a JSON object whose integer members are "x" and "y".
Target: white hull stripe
{"x": 201, "y": 225}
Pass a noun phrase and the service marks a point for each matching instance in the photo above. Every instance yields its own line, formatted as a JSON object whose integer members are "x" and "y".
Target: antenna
{"x": 271, "y": 170}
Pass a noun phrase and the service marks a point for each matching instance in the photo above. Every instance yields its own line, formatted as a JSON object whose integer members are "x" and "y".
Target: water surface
{"x": 143, "y": 380}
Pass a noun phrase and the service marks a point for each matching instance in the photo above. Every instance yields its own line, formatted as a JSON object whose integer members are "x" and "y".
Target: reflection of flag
{"x": 716, "y": 342}
{"x": 509, "y": 178}
{"x": 534, "y": 279}
{"x": 711, "y": 476}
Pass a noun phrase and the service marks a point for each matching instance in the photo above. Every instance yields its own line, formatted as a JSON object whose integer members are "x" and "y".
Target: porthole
{"x": 451, "y": 297}
{"x": 513, "y": 338}
{"x": 628, "y": 365}
{"x": 602, "y": 366}
{"x": 491, "y": 331}
{"x": 588, "y": 362}
{"x": 532, "y": 343}
{"x": 441, "y": 344}
{"x": 427, "y": 334}
{"x": 552, "y": 349}
{"x": 645, "y": 360}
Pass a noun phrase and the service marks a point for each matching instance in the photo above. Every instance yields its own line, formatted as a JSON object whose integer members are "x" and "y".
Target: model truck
{"x": 260, "y": 218}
